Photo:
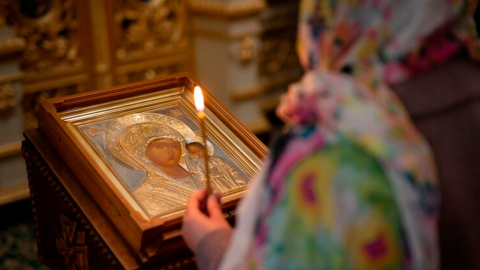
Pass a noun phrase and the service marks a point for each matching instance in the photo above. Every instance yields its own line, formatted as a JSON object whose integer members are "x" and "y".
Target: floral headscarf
{"x": 352, "y": 184}
{"x": 385, "y": 40}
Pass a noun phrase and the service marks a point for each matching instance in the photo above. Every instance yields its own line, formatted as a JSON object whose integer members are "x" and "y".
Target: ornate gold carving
{"x": 3, "y": 14}
{"x": 7, "y": 99}
{"x": 70, "y": 244}
{"x": 31, "y": 101}
{"x": 118, "y": 128}
{"x": 138, "y": 140}
{"x": 9, "y": 149}
{"x": 11, "y": 77}
{"x": 92, "y": 132}
{"x": 12, "y": 45}
{"x": 151, "y": 73}
{"x": 101, "y": 48}
{"x": 31, "y": 160}
{"x": 277, "y": 52}
{"x": 143, "y": 26}
{"x": 227, "y": 8}
{"x": 176, "y": 112}
{"x": 246, "y": 52}
{"x": 3, "y": 21}
{"x": 35, "y": 9}
{"x": 50, "y": 28}
{"x": 40, "y": 173}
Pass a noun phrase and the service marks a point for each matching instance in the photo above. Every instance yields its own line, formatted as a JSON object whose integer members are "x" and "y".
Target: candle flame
{"x": 198, "y": 96}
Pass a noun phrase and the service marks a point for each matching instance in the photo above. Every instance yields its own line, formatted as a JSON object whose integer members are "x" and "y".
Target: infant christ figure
{"x": 224, "y": 176}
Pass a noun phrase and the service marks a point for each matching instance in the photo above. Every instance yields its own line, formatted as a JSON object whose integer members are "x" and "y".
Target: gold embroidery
{"x": 157, "y": 145}
{"x": 176, "y": 112}
{"x": 92, "y": 132}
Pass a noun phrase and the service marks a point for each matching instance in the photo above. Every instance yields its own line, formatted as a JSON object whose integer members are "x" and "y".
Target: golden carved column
{"x": 54, "y": 61}
{"x": 13, "y": 178}
{"x": 149, "y": 39}
{"x": 100, "y": 44}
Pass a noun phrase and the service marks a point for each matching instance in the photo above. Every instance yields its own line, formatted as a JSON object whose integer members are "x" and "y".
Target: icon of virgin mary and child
{"x": 171, "y": 155}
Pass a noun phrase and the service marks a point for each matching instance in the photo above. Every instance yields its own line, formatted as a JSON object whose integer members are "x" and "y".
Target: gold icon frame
{"x": 63, "y": 121}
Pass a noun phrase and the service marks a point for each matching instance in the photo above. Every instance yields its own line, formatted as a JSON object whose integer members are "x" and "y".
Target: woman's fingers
{"x": 194, "y": 202}
{"x": 196, "y": 224}
{"x": 214, "y": 208}
{"x": 218, "y": 197}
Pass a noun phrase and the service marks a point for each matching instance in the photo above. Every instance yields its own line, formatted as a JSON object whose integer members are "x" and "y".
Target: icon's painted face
{"x": 196, "y": 152}
{"x": 164, "y": 152}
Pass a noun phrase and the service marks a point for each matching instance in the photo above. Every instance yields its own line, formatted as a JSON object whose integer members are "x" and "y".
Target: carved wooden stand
{"x": 72, "y": 231}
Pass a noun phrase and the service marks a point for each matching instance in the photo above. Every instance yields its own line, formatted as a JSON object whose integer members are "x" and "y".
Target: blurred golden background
{"x": 241, "y": 50}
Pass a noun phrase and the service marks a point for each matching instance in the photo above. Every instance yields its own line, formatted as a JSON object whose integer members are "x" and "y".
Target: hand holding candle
{"x": 199, "y": 104}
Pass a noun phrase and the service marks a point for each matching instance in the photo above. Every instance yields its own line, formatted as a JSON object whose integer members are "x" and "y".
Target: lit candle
{"x": 198, "y": 97}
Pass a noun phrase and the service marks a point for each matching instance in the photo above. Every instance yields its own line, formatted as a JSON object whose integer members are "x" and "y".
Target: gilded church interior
{"x": 241, "y": 50}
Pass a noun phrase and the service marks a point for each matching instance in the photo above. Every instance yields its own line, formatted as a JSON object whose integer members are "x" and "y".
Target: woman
{"x": 352, "y": 184}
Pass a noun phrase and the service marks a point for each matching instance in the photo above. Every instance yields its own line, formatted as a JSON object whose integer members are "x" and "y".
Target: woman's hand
{"x": 197, "y": 224}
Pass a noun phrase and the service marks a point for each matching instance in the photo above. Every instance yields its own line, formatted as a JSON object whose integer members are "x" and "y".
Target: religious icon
{"x": 135, "y": 149}
{"x": 224, "y": 176}
{"x": 168, "y": 155}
